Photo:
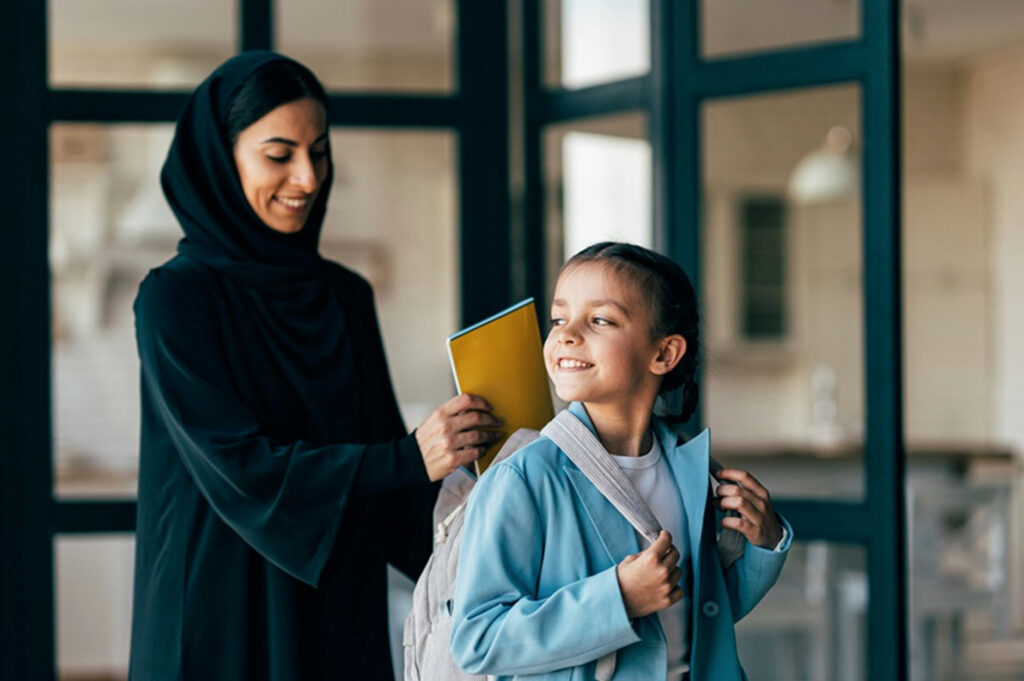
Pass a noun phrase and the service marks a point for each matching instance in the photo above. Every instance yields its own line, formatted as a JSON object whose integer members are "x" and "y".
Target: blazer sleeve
{"x": 285, "y": 499}
{"x": 501, "y": 626}
{"x": 750, "y": 577}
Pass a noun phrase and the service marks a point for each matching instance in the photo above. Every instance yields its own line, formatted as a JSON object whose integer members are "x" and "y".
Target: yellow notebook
{"x": 501, "y": 360}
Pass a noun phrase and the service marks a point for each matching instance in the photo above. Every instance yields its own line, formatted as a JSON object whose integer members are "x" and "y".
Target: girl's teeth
{"x": 294, "y": 203}
{"x": 572, "y": 364}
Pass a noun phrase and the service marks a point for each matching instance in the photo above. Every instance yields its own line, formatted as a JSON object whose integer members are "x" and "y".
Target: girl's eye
{"x": 322, "y": 153}
{"x": 601, "y": 321}
{"x": 557, "y": 321}
{"x": 279, "y": 159}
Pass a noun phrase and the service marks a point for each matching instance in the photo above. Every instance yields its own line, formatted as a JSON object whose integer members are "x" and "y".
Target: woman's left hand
{"x": 757, "y": 520}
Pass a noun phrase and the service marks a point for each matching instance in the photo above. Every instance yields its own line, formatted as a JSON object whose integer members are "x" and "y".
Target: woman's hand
{"x": 757, "y": 520}
{"x": 455, "y": 434}
{"x": 649, "y": 580}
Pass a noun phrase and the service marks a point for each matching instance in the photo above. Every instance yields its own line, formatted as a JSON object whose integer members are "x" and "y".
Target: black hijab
{"x": 292, "y": 312}
{"x": 202, "y": 186}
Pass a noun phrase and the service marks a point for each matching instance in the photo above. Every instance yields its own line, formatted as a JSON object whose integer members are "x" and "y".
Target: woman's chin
{"x": 285, "y": 227}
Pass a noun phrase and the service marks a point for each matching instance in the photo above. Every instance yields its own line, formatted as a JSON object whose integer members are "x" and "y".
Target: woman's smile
{"x": 282, "y": 162}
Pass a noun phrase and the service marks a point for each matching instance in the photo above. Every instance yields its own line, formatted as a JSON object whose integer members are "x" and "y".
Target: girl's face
{"x": 282, "y": 163}
{"x": 600, "y": 349}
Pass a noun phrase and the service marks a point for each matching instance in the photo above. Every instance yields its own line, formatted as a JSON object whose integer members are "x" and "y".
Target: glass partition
{"x": 735, "y": 27}
{"x": 372, "y": 45}
{"x": 134, "y": 44}
{"x": 588, "y": 42}
{"x": 782, "y": 288}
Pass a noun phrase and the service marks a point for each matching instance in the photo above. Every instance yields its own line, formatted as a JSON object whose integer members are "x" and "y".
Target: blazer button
{"x": 710, "y": 609}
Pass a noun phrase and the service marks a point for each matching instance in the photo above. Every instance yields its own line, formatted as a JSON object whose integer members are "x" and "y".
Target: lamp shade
{"x": 829, "y": 173}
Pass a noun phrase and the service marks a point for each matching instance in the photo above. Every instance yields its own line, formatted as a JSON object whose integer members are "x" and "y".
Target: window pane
{"x": 731, "y": 27}
{"x": 109, "y": 224}
{"x": 597, "y": 185}
{"x": 393, "y": 218}
{"x": 587, "y": 42}
{"x": 963, "y": 235}
{"x": 782, "y": 288}
{"x": 94, "y": 606}
{"x": 372, "y": 44}
{"x": 139, "y": 43}
{"x": 811, "y": 626}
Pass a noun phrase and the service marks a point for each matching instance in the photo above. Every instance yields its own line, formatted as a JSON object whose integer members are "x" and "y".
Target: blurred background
{"x": 781, "y": 277}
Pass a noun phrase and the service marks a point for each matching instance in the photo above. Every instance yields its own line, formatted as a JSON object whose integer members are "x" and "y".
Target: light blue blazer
{"x": 537, "y": 595}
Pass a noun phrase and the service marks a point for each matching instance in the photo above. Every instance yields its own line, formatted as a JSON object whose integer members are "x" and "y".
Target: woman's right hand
{"x": 456, "y": 433}
{"x": 649, "y": 580}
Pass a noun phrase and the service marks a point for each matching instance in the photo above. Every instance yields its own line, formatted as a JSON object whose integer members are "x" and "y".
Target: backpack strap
{"x": 586, "y": 451}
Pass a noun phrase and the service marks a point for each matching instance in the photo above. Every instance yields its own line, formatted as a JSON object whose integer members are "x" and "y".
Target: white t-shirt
{"x": 653, "y": 479}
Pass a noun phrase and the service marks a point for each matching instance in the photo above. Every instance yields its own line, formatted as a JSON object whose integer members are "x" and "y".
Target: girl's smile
{"x": 600, "y": 345}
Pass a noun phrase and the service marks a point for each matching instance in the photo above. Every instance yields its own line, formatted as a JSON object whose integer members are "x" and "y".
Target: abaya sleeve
{"x": 410, "y": 511}
{"x": 285, "y": 499}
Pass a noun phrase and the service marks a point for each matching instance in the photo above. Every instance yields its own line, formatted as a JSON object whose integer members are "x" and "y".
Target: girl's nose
{"x": 568, "y": 335}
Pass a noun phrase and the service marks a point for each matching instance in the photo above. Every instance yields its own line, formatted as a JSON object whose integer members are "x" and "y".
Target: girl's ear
{"x": 670, "y": 350}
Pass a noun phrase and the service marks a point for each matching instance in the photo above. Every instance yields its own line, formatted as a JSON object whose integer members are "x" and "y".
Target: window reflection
{"x": 377, "y": 45}
{"x": 735, "y": 27}
{"x": 597, "y": 185}
{"x": 587, "y": 42}
{"x": 139, "y": 43}
{"x": 782, "y": 293}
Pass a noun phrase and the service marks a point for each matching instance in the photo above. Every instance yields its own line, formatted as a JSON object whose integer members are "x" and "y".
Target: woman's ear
{"x": 670, "y": 350}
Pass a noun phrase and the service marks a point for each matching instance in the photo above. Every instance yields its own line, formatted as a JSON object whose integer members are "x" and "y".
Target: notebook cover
{"x": 501, "y": 360}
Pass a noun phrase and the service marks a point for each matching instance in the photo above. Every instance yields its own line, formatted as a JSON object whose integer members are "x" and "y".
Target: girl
{"x": 551, "y": 577}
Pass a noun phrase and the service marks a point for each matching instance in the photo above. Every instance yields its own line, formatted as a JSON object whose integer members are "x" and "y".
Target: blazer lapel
{"x": 617, "y": 536}
{"x": 689, "y": 463}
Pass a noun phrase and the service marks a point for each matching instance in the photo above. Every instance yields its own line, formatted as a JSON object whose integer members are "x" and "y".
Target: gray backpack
{"x": 428, "y": 627}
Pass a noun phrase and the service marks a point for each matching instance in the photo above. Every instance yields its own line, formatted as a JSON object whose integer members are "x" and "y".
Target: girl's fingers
{"x": 743, "y": 526}
{"x": 745, "y": 503}
{"x": 745, "y": 480}
{"x": 675, "y": 576}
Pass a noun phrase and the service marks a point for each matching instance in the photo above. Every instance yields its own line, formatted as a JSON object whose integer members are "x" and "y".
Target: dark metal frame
{"x": 679, "y": 82}
{"x": 30, "y": 517}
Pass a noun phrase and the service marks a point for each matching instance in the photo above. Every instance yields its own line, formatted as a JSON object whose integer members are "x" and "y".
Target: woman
{"x": 276, "y": 477}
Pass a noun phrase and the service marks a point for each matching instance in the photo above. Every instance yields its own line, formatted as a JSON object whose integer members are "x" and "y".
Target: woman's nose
{"x": 304, "y": 177}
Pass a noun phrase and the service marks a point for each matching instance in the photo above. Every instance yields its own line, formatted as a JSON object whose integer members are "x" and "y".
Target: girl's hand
{"x": 454, "y": 434}
{"x": 757, "y": 520}
{"x": 649, "y": 580}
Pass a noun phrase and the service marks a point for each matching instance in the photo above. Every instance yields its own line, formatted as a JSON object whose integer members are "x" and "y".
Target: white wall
{"x": 995, "y": 156}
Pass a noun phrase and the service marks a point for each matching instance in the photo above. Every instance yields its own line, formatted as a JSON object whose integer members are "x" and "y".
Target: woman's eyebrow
{"x": 290, "y": 143}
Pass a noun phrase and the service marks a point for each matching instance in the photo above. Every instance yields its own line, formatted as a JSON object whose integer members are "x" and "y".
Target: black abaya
{"x": 276, "y": 479}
